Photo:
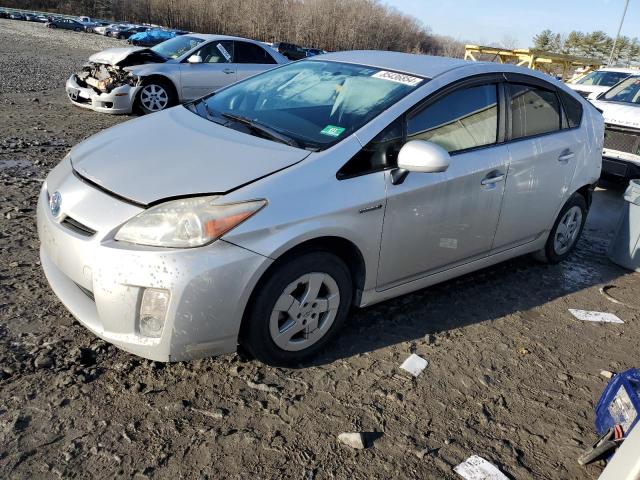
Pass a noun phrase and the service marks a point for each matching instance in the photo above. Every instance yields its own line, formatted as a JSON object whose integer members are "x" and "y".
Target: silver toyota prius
{"x": 259, "y": 215}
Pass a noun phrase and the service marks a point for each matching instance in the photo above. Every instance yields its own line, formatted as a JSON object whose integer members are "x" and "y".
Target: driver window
{"x": 217, "y": 52}
{"x": 463, "y": 119}
{"x": 379, "y": 154}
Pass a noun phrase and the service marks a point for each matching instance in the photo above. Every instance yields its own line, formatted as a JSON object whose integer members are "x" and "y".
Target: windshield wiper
{"x": 263, "y": 129}
{"x": 200, "y": 107}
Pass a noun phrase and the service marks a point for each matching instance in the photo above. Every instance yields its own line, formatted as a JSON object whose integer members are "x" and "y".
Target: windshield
{"x": 602, "y": 78}
{"x": 627, "y": 91}
{"x": 312, "y": 103}
{"x": 176, "y": 46}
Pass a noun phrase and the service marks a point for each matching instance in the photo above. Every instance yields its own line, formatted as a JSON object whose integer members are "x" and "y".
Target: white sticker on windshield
{"x": 397, "y": 77}
{"x": 224, "y": 52}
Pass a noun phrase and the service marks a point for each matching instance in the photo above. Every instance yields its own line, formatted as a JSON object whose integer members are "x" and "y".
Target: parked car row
{"x": 138, "y": 34}
{"x": 28, "y": 17}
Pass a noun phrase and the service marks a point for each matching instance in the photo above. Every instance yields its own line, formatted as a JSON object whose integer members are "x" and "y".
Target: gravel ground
{"x": 511, "y": 376}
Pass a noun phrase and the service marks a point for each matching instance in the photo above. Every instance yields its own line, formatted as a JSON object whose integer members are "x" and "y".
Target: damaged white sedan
{"x": 184, "y": 68}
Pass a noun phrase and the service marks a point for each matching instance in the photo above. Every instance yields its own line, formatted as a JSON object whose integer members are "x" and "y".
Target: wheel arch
{"x": 587, "y": 192}
{"x": 164, "y": 78}
{"x": 344, "y": 249}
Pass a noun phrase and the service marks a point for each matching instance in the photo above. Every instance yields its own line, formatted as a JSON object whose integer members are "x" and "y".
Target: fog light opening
{"x": 153, "y": 312}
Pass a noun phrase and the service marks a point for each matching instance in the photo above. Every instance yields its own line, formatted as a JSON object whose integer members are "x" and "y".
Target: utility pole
{"x": 615, "y": 41}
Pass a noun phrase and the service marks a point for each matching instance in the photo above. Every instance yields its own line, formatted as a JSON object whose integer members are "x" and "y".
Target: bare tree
{"x": 326, "y": 24}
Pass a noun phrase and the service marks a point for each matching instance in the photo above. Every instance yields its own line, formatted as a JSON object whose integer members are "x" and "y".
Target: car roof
{"x": 422, "y": 65}
{"x": 210, "y": 36}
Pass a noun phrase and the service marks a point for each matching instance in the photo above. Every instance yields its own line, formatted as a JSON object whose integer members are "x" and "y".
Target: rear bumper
{"x": 120, "y": 100}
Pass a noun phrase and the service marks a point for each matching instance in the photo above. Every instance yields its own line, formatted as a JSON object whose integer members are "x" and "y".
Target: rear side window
{"x": 573, "y": 109}
{"x": 463, "y": 119}
{"x": 251, "y": 53}
{"x": 534, "y": 111}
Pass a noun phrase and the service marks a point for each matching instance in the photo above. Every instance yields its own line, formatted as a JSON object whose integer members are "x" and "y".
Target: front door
{"x": 217, "y": 70}
{"x": 434, "y": 221}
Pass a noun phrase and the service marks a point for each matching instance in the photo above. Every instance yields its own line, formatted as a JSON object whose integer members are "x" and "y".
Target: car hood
{"x": 619, "y": 113}
{"x": 586, "y": 88}
{"x": 177, "y": 153}
{"x": 115, "y": 56}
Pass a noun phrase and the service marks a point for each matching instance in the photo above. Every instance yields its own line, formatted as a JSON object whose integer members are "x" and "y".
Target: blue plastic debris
{"x": 152, "y": 36}
{"x": 619, "y": 403}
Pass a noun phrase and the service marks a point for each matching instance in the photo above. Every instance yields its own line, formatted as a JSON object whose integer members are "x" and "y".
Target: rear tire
{"x": 566, "y": 231}
{"x": 297, "y": 309}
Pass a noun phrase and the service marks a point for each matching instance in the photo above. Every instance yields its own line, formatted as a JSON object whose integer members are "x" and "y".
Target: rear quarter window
{"x": 573, "y": 109}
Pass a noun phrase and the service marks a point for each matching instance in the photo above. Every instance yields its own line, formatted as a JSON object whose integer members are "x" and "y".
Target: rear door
{"x": 217, "y": 70}
{"x": 543, "y": 153}
{"x": 251, "y": 59}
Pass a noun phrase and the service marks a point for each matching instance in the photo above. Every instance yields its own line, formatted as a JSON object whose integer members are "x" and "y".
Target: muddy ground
{"x": 511, "y": 376}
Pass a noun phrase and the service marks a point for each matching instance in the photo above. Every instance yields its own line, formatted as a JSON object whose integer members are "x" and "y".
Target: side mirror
{"x": 194, "y": 59}
{"x": 420, "y": 156}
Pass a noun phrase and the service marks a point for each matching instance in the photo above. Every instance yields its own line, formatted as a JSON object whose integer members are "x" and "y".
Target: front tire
{"x": 155, "y": 96}
{"x": 298, "y": 309}
{"x": 566, "y": 231}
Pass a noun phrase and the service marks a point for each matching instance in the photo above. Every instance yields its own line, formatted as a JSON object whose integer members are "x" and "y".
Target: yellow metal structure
{"x": 551, "y": 63}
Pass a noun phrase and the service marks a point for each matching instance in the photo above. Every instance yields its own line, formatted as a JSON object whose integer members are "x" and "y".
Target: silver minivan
{"x": 260, "y": 214}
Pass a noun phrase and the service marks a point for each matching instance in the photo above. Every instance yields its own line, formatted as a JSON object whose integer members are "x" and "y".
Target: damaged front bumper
{"x": 120, "y": 100}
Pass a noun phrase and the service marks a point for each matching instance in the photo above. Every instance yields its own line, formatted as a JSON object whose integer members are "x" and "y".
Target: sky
{"x": 503, "y": 21}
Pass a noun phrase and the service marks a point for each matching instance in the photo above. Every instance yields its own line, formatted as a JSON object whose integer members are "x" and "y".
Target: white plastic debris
{"x": 477, "y": 468}
{"x": 588, "y": 316}
{"x": 414, "y": 364}
{"x": 352, "y": 439}
{"x": 607, "y": 374}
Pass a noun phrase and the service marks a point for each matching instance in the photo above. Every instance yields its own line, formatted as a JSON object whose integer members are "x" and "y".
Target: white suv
{"x": 620, "y": 107}
{"x": 595, "y": 83}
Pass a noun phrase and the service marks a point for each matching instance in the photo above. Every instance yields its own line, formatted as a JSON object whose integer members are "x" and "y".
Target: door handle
{"x": 229, "y": 70}
{"x": 566, "y": 156}
{"x": 492, "y": 178}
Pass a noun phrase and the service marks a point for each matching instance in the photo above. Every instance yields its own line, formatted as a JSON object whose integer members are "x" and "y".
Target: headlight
{"x": 189, "y": 222}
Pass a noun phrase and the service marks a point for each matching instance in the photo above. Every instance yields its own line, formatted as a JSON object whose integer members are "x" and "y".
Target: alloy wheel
{"x": 567, "y": 230}
{"x": 154, "y": 98}
{"x": 305, "y": 311}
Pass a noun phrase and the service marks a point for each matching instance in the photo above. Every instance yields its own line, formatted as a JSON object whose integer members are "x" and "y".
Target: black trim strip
{"x": 104, "y": 190}
{"x": 175, "y": 197}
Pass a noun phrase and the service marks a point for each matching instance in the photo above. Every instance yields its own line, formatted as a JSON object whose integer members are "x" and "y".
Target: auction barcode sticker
{"x": 397, "y": 77}
{"x": 224, "y": 52}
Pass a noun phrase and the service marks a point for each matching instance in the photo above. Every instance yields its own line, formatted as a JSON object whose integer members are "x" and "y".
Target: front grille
{"x": 621, "y": 140}
{"x": 78, "y": 99}
{"x": 77, "y": 227}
